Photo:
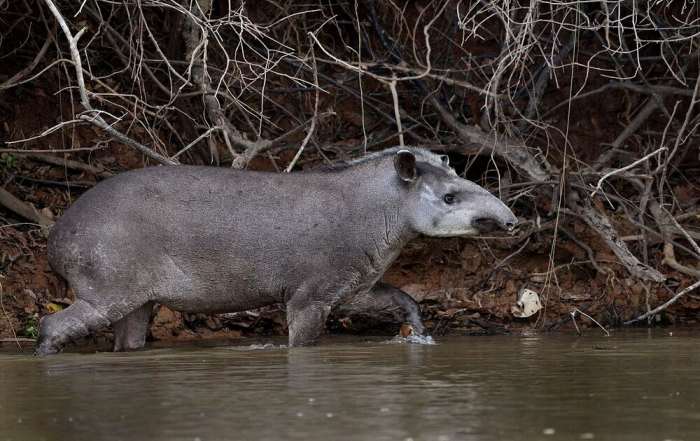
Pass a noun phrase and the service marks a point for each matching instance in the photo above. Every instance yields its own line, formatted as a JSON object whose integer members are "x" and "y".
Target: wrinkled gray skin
{"x": 209, "y": 239}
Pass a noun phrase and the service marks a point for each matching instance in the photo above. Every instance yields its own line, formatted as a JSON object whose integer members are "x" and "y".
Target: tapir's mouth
{"x": 461, "y": 232}
{"x": 485, "y": 225}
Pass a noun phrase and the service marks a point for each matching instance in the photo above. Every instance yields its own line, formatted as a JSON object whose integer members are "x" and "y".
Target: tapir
{"x": 214, "y": 240}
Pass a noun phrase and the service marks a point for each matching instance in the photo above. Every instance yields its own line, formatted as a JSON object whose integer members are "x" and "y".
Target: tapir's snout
{"x": 509, "y": 221}
{"x": 494, "y": 213}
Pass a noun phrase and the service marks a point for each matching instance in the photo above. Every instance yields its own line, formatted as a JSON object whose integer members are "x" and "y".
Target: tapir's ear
{"x": 445, "y": 160}
{"x": 405, "y": 164}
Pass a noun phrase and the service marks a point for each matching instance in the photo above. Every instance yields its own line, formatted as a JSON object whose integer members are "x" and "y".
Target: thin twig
{"x": 670, "y": 302}
{"x": 576, "y": 310}
{"x": 650, "y": 107}
{"x": 599, "y": 186}
{"x": 17, "y": 78}
{"x": 206, "y": 134}
{"x": 397, "y": 110}
{"x": 315, "y": 117}
{"x": 99, "y": 122}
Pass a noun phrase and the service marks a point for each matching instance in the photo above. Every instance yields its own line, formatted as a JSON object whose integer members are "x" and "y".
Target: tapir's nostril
{"x": 510, "y": 225}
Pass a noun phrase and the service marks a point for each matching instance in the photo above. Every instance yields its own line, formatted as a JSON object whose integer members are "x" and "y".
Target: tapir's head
{"x": 442, "y": 204}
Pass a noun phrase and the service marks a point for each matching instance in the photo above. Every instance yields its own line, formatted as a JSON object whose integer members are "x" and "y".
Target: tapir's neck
{"x": 381, "y": 217}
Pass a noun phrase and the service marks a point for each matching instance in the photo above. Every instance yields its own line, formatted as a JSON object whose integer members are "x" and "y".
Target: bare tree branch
{"x": 94, "y": 117}
{"x": 27, "y": 211}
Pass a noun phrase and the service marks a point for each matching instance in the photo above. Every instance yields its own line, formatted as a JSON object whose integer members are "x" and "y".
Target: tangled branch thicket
{"x": 581, "y": 114}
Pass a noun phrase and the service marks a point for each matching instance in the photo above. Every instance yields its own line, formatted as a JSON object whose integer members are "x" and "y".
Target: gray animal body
{"x": 208, "y": 239}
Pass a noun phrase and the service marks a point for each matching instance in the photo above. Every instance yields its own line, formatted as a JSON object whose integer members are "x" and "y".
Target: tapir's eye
{"x": 449, "y": 198}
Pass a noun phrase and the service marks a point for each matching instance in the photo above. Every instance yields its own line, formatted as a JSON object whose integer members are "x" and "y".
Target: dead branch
{"x": 94, "y": 117}
{"x": 670, "y": 260}
{"x": 543, "y": 79}
{"x": 667, "y": 225}
{"x": 516, "y": 153}
{"x": 665, "y": 305}
{"x": 33, "y": 151}
{"x": 196, "y": 39}
{"x": 587, "y": 249}
{"x": 53, "y": 183}
{"x": 599, "y": 185}
{"x": 99, "y": 122}
{"x": 601, "y": 225}
{"x": 27, "y": 211}
{"x": 18, "y": 77}
{"x": 397, "y": 110}
{"x": 653, "y": 89}
{"x": 68, "y": 163}
{"x": 650, "y": 107}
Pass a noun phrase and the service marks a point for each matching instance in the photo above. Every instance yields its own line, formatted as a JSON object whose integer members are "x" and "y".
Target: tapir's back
{"x": 172, "y": 225}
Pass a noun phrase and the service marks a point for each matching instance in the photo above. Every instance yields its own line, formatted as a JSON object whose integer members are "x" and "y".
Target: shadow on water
{"x": 631, "y": 386}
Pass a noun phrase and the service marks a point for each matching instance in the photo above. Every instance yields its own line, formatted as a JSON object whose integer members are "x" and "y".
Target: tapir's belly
{"x": 189, "y": 287}
{"x": 217, "y": 300}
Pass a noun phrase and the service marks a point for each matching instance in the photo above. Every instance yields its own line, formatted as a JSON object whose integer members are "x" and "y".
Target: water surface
{"x": 630, "y": 386}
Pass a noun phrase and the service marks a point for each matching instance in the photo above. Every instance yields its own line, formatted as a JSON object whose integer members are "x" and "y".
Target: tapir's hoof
{"x": 45, "y": 349}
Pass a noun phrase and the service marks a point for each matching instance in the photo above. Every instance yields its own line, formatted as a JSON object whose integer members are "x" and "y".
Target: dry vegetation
{"x": 580, "y": 114}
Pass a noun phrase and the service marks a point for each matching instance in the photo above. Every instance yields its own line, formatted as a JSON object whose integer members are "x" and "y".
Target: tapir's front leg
{"x": 306, "y": 320}
{"x": 384, "y": 303}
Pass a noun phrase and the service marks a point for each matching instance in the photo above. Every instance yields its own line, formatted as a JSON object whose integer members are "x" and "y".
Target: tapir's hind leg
{"x": 384, "y": 303}
{"x": 130, "y": 332}
{"x": 72, "y": 323}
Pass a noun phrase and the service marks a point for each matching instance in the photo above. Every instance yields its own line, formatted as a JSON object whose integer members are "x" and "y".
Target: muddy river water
{"x": 640, "y": 385}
